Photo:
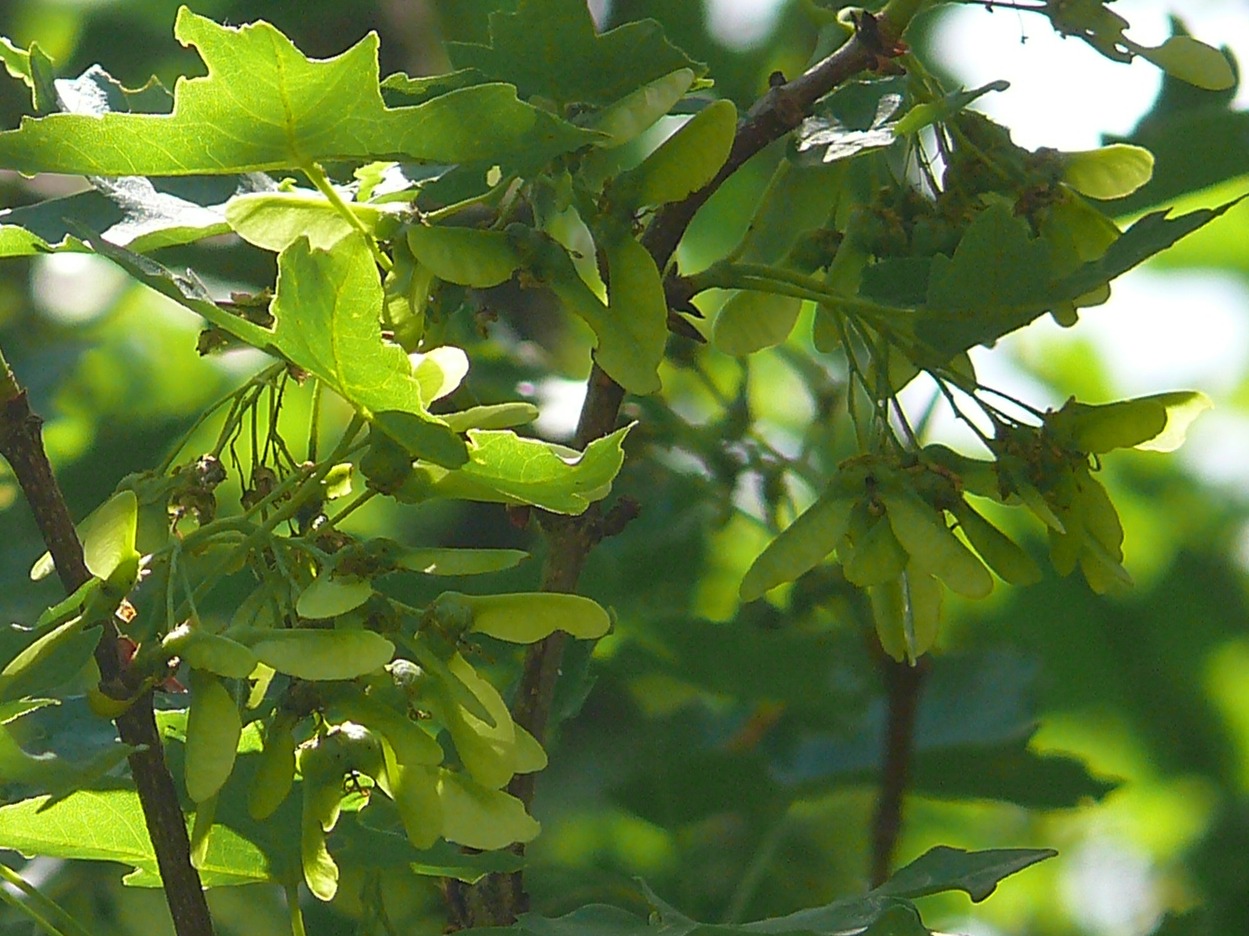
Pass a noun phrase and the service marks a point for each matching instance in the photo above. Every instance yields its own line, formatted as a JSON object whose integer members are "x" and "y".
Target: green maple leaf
{"x": 997, "y": 281}
{"x": 1001, "y": 278}
{"x": 265, "y": 105}
{"x": 326, "y": 312}
{"x": 550, "y": 48}
{"x": 506, "y": 468}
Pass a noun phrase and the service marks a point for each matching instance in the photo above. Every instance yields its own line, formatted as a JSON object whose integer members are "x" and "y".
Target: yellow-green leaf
{"x": 684, "y": 162}
{"x": 799, "y": 547}
{"x": 751, "y": 321}
{"x": 922, "y": 532}
{"x": 213, "y": 726}
{"x": 319, "y": 654}
{"x": 1193, "y": 61}
{"x": 264, "y": 105}
{"x": 1108, "y": 172}
{"x": 530, "y": 616}
{"x": 463, "y": 255}
{"x": 477, "y": 817}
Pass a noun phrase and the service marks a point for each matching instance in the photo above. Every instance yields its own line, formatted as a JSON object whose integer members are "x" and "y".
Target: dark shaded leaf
{"x": 944, "y": 869}
{"x": 549, "y": 48}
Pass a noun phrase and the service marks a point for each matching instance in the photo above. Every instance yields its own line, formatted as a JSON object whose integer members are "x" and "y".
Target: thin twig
{"x": 902, "y": 689}
{"x": 21, "y": 443}
{"x": 498, "y": 899}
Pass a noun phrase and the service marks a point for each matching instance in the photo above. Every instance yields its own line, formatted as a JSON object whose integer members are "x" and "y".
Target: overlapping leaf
{"x": 296, "y": 111}
{"x": 510, "y": 469}
{"x": 886, "y": 910}
{"x": 326, "y": 310}
{"x": 549, "y": 48}
{"x": 1000, "y": 277}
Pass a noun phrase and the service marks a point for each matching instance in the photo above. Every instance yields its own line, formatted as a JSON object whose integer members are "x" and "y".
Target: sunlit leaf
{"x": 510, "y": 469}
{"x": 529, "y": 616}
{"x": 482, "y": 818}
{"x": 326, "y": 308}
{"x": 1183, "y": 407}
{"x": 329, "y": 596}
{"x": 319, "y": 654}
{"x": 1195, "y": 62}
{"x": 275, "y": 220}
{"x": 625, "y": 119}
{"x": 684, "y": 162}
{"x": 1108, "y": 172}
{"x": 296, "y": 110}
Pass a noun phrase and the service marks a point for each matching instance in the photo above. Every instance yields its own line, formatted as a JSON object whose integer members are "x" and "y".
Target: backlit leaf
{"x": 635, "y": 301}
{"x": 510, "y": 469}
{"x": 212, "y": 736}
{"x": 326, "y": 308}
{"x": 529, "y": 616}
{"x": 296, "y": 110}
{"x": 684, "y": 162}
{"x": 751, "y": 321}
{"x": 275, "y": 220}
{"x": 478, "y": 817}
{"x": 1108, "y": 172}
{"x": 1195, "y": 62}
{"x": 319, "y": 654}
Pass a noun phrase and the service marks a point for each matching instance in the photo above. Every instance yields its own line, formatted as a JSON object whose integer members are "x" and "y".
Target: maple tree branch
{"x": 903, "y": 683}
{"x": 497, "y": 899}
{"x": 21, "y": 444}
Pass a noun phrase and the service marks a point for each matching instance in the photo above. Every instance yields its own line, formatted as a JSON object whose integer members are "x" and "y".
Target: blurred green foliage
{"x": 728, "y": 759}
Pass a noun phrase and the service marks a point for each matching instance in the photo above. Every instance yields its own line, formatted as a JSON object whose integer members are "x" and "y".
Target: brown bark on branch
{"x": 903, "y": 683}
{"x": 21, "y": 443}
{"x": 498, "y": 899}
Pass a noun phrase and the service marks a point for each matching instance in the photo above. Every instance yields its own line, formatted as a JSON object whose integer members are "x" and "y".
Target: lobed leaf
{"x": 326, "y": 321}
{"x": 72, "y": 828}
{"x": 550, "y": 48}
{"x": 296, "y": 110}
